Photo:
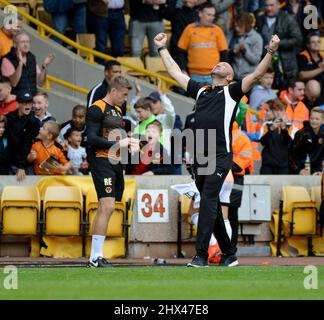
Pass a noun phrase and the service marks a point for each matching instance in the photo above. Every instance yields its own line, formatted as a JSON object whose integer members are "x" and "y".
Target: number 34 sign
{"x": 153, "y": 205}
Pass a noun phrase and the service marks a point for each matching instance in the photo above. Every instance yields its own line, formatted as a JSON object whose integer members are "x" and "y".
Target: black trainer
{"x": 100, "y": 262}
{"x": 228, "y": 260}
{"x": 198, "y": 262}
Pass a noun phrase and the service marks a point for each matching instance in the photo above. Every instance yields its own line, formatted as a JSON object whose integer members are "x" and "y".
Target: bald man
{"x": 213, "y": 114}
{"x": 313, "y": 97}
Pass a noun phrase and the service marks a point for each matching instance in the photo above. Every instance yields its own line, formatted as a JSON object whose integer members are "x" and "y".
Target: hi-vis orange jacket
{"x": 296, "y": 115}
{"x": 242, "y": 151}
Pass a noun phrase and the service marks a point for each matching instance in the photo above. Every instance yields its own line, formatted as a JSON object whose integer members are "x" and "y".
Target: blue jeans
{"x": 113, "y": 26}
{"x": 201, "y": 78}
{"x": 138, "y": 31}
{"x": 77, "y": 16}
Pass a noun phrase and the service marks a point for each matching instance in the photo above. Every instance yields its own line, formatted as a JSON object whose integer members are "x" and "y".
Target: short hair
{"x": 110, "y": 63}
{"x": 53, "y": 128}
{"x": 79, "y": 107}
{"x": 20, "y": 34}
{"x": 4, "y": 80}
{"x": 318, "y": 110}
{"x": 291, "y": 83}
{"x": 206, "y": 5}
{"x": 247, "y": 20}
{"x": 41, "y": 94}
{"x": 119, "y": 82}
{"x": 270, "y": 70}
{"x": 143, "y": 103}
{"x": 157, "y": 124}
{"x": 69, "y": 132}
{"x": 311, "y": 35}
{"x": 3, "y": 119}
{"x": 277, "y": 105}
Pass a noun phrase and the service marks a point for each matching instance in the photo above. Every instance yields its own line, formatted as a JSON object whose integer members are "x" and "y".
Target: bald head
{"x": 312, "y": 90}
{"x": 223, "y": 71}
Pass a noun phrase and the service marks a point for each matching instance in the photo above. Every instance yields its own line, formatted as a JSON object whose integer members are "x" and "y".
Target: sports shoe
{"x": 198, "y": 262}
{"x": 100, "y": 262}
{"x": 228, "y": 260}
{"x": 214, "y": 250}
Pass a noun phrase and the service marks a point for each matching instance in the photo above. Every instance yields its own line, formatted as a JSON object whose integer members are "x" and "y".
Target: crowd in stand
{"x": 283, "y": 115}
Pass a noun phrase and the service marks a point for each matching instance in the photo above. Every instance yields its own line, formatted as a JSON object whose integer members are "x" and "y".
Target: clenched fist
{"x": 274, "y": 43}
{"x": 160, "y": 40}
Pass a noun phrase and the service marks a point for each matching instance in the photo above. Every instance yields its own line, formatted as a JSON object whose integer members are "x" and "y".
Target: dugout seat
{"x": 63, "y": 207}
{"x": 115, "y": 226}
{"x": 155, "y": 64}
{"x": 133, "y": 61}
{"x": 297, "y": 216}
{"x": 86, "y": 40}
{"x": 20, "y": 210}
{"x": 316, "y": 196}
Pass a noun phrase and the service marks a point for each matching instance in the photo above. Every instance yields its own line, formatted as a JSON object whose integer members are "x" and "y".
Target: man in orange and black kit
{"x": 106, "y": 140}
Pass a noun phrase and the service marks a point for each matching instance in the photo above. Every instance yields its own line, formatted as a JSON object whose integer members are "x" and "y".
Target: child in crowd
{"x": 153, "y": 158}
{"x": 46, "y": 154}
{"x": 8, "y": 101}
{"x": 4, "y": 150}
{"x": 40, "y": 106}
{"x": 276, "y": 139}
{"x": 75, "y": 152}
{"x": 78, "y": 122}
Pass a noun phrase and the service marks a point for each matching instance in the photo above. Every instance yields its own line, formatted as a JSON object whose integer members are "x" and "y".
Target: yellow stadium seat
{"x": 133, "y": 61}
{"x": 316, "y": 196}
{"x": 63, "y": 207}
{"x": 115, "y": 226}
{"x": 86, "y": 40}
{"x": 20, "y": 208}
{"x": 297, "y": 216}
{"x": 155, "y": 64}
{"x": 301, "y": 211}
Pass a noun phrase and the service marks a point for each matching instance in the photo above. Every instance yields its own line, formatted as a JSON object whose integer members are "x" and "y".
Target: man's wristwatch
{"x": 161, "y": 48}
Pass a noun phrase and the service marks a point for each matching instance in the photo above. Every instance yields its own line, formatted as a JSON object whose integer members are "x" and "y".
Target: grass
{"x": 263, "y": 282}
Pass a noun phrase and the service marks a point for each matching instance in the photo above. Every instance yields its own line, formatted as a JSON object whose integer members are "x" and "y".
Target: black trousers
{"x": 210, "y": 213}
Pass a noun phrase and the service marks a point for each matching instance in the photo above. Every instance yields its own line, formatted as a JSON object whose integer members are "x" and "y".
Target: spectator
{"x": 254, "y": 5}
{"x": 22, "y": 128}
{"x": 144, "y": 113}
{"x": 180, "y": 17}
{"x": 75, "y": 152}
{"x": 275, "y": 141}
{"x": 226, "y": 11}
{"x": 153, "y": 157}
{"x": 77, "y": 122}
{"x": 309, "y": 141}
{"x": 20, "y": 66}
{"x": 99, "y": 91}
{"x": 63, "y": 11}
{"x": 146, "y": 20}
{"x": 310, "y": 61}
{"x": 11, "y": 27}
{"x": 163, "y": 110}
{"x": 47, "y": 155}
{"x": 4, "y": 148}
{"x": 202, "y": 39}
{"x": 276, "y": 21}
{"x": 40, "y": 106}
{"x": 296, "y": 111}
{"x": 313, "y": 95}
{"x": 7, "y": 100}
{"x": 262, "y": 92}
{"x": 108, "y": 20}
{"x": 245, "y": 47}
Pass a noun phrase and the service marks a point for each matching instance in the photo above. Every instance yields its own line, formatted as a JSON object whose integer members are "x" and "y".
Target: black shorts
{"x": 108, "y": 178}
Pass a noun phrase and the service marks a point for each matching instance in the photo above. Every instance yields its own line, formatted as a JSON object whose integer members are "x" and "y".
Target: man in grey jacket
{"x": 276, "y": 21}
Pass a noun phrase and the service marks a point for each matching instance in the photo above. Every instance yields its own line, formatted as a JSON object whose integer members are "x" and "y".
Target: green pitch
{"x": 263, "y": 282}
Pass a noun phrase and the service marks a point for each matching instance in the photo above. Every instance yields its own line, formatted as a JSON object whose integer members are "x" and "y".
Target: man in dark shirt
{"x": 105, "y": 141}
{"x": 214, "y": 112}
{"x": 22, "y": 128}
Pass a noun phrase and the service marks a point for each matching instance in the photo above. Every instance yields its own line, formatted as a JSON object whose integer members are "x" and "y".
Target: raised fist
{"x": 160, "y": 40}
{"x": 274, "y": 43}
